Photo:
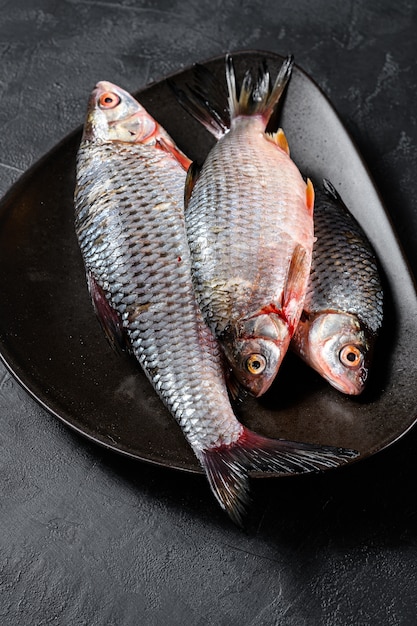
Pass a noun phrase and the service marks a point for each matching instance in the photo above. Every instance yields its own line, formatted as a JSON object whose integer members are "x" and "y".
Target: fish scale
{"x": 130, "y": 227}
{"x": 343, "y": 307}
{"x": 343, "y": 254}
{"x": 249, "y": 225}
{"x": 165, "y": 286}
{"x": 242, "y": 242}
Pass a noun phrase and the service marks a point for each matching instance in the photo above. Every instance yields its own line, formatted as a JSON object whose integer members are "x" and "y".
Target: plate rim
{"x": 25, "y": 380}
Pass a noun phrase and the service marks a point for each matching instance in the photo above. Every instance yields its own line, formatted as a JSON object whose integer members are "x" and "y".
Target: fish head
{"x": 338, "y": 347}
{"x": 254, "y": 349}
{"x": 115, "y": 115}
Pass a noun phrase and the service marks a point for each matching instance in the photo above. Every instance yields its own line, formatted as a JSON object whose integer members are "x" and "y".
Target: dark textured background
{"x": 87, "y": 537}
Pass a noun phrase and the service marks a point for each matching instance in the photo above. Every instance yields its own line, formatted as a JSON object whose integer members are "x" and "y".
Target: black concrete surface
{"x": 90, "y": 538}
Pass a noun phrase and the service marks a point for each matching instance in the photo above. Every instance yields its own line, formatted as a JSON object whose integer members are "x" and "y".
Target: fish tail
{"x": 215, "y": 103}
{"x": 227, "y": 467}
{"x": 256, "y": 97}
{"x": 204, "y": 97}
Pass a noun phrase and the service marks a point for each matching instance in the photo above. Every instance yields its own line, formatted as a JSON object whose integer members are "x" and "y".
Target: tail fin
{"x": 227, "y": 467}
{"x": 214, "y": 106}
{"x": 205, "y": 99}
{"x": 256, "y": 96}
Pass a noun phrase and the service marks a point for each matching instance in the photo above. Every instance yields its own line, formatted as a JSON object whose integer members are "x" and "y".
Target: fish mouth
{"x": 346, "y": 387}
{"x": 352, "y": 385}
{"x": 260, "y": 392}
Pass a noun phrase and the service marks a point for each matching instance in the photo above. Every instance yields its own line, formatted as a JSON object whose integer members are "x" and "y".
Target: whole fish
{"x": 130, "y": 227}
{"x": 343, "y": 309}
{"x": 249, "y": 220}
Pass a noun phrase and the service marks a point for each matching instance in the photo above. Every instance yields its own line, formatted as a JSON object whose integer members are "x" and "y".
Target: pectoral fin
{"x": 295, "y": 285}
{"x": 164, "y": 144}
{"x": 192, "y": 176}
{"x": 236, "y": 390}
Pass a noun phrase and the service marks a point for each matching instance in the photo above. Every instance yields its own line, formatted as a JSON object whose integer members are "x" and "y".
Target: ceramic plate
{"x": 53, "y": 344}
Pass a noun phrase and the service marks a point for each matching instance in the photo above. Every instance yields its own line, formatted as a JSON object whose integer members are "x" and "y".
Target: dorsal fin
{"x": 331, "y": 190}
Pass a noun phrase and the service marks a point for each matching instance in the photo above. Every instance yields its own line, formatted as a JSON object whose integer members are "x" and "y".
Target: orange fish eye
{"x": 350, "y": 356}
{"x": 108, "y": 100}
{"x": 255, "y": 364}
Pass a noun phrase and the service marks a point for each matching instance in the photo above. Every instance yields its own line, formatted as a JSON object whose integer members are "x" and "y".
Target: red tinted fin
{"x": 109, "y": 318}
{"x": 172, "y": 149}
{"x": 310, "y": 196}
{"x": 270, "y": 309}
{"x": 298, "y": 270}
{"x": 227, "y": 467}
{"x": 192, "y": 175}
{"x": 280, "y": 140}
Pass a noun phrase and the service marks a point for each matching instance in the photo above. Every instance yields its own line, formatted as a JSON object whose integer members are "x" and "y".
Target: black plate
{"x": 52, "y": 342}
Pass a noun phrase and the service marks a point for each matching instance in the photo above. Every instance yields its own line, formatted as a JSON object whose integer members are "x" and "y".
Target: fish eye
{"x": 108, "y": 100}
{"x": 350, "y": 356}
{"x": 255, "y": 364}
